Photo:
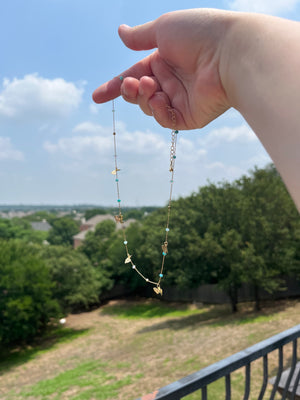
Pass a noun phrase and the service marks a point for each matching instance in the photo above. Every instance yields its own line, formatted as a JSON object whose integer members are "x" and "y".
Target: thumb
{"x": 141, "y": 37}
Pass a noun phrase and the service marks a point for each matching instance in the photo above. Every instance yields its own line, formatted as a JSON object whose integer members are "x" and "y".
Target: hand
{"x": 209, "y": 60}
{"x": 183, "y": 73}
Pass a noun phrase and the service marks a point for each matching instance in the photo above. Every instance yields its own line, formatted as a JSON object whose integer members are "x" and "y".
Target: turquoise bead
{"x": 174, "y": 156}
{"x": 176, "y": 131}
{"x": 117, "y": 180}
{"x": 125, "y": 242}
{"x": 119, "y": 201}
{"x": 161, "y": 275}
{"x": 167, "y": 229}
{"x": 164, "y": 254}
{"x": 121, "y": 77}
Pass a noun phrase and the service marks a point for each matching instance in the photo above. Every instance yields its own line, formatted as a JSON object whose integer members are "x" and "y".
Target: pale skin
{"x": 207, "y": 61}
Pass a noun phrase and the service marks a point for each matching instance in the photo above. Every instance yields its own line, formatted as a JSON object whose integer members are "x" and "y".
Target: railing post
{"x": 247, "y": 381}
{"x": 201, "y": 379}
{"x": 228, "y": 387}
{"x": 265, "y": 378}
{"x": 292, "y": 370}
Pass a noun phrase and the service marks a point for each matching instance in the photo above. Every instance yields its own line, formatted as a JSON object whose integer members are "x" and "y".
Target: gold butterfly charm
{"x": 114, "y": 172}
{"x": 119, "y": 218}
{"x": 128, "y": 259}
{"x": 165, "y": 247}
{"x": 158, "y": 290}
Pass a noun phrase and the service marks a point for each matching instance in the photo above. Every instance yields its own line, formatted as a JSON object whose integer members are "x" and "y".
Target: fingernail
{"x": 151, "y": 109}
{"x": 123, "y": 92}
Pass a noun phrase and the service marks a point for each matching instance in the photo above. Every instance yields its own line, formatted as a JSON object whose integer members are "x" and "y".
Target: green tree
{"x": 26, "y": 304}
{"x": 76, "y": 283}
{"x": 94, "y": 243}
{"x": 41, "y": 215}
{"x": 268, "y": 225}
{"x": 63, "y": 230}
{"x": 105, "y": 249}
{"x": 94, "y": 211}
{"x": 19, "y": 228}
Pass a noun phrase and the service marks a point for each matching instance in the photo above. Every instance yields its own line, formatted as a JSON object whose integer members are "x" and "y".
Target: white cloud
{"x": 260, "y": 159}
{"x": 240, "y": 134}
{"x": 188, "y": 151}
{"x": 80, "y": 147}
{"x": 7, "y": 151}
{"x": 97, "y": 145}
{"x": 226, "y": 171}
{"x": 94, "y": 108}
{"x": 273, "y": 7}
{"x": 35, "y": 98}
{"x": 91, "y": 127}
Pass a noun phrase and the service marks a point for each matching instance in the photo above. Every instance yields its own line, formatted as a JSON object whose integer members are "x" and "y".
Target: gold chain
{"x": 119, "y": 217}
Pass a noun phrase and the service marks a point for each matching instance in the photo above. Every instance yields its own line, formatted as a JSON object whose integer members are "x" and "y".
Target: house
{"x": 90, "y": 225}
{"x": 41, "y": 225}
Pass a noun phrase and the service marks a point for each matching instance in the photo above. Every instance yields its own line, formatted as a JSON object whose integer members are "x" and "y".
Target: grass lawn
{"x": 127, "y": 349}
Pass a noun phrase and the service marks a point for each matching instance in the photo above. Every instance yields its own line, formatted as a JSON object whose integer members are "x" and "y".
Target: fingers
{"x": 140, "y": 91}
{"x": 130, "y": 89}
{"x": 141, "y": 37}
{"x": 112, "y": 89}
{"x": 108, "y": 91}
{"x": 147, "y": 88}
{"x": 164, "y": 113}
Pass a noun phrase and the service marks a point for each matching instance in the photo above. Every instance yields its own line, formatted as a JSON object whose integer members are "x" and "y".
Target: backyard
{"x": 126, "y": 349}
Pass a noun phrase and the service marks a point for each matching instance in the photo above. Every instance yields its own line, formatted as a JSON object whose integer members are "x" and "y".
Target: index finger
{"x": 112, "y": 89}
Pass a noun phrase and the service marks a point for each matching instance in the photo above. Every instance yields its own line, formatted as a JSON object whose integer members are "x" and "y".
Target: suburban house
{"x": 41, "y": 226}
{"x": 90, "y": 225}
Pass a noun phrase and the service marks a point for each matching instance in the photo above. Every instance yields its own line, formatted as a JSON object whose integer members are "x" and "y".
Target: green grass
{"x": 12, "y": 357}
{"x": 89, "y": 380}
{"x": 151, "y": 310}
{"x": 252, "y": 318}
{"x": 126, "y": 354}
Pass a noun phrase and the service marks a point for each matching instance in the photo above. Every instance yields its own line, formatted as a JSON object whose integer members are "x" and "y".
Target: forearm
{"x": 260, "y": 73}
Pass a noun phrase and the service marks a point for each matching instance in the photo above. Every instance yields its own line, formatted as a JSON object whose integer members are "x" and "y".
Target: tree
{"x": 94, "y": 243}
{"x": 247, "y": 231}
{"x": 94, "y": 211}
{"x": 20, "y": 228}
{"x": 63, "y": 230}
{"x": 76, "y": 283}
{"x": 41, "y": 215}
{"x": 26, "y": 303}
{"x": 268, "y": 225}
{"x": 105, "y": 249}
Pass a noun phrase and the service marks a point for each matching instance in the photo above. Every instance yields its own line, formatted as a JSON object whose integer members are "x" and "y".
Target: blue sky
{"x": 56, "y": 145}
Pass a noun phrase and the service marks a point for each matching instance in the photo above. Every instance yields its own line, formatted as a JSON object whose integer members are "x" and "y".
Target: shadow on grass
{"x": 11, "y": 357}
{"x": 216, "y": 316}
{"x": 181, "y": 316}
{"x": 208, "y": 316}
{"x": 148, "y": 309}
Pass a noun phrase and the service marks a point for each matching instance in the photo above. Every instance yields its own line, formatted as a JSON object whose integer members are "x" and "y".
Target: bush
{"x": 76, "y": 282}
{"x": 26, "y": 304}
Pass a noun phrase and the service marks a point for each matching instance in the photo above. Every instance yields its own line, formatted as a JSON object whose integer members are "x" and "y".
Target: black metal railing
{"x": 285, "y": 382}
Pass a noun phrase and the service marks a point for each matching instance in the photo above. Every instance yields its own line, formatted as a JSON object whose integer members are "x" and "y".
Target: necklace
{"x": 119, "y": 217}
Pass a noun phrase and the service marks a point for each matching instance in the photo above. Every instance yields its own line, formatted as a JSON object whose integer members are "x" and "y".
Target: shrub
{"x": 26, "y": 304}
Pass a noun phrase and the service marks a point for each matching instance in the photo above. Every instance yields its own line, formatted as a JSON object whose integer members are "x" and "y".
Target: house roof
{"x": 98, "y": 218}
{"x": 81, "y": 235}
{"x": 41, "y": 226}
